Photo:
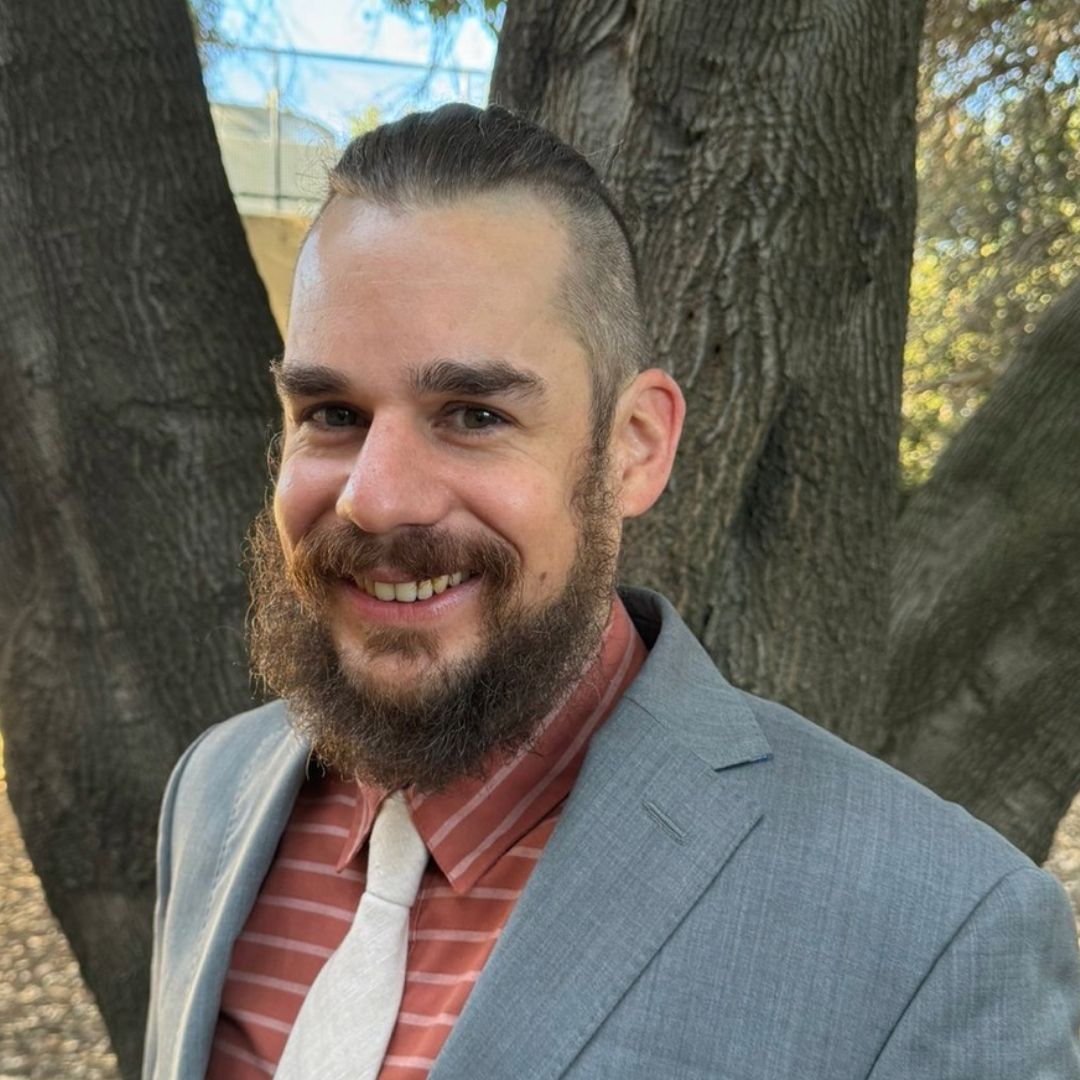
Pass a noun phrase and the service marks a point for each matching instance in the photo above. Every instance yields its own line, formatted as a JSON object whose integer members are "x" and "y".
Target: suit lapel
{"x": 261, "y": 805}
{"x": 651, "y": 821}
{"x": 639, "y": 841}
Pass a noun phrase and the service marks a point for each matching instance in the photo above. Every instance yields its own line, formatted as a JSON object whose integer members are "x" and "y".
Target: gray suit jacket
{"x": 731, "y": 894}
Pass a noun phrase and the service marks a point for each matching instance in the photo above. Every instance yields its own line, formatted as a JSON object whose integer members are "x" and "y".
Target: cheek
{"x": 303, "y": 494}
{"x": 532, "y": 513}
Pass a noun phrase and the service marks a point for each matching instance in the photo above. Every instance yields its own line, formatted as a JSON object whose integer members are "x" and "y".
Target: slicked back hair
{"x": 431, "y": 159}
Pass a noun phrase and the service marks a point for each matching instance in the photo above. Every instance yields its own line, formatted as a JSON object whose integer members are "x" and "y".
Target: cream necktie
{"x": 349, "y": 1013}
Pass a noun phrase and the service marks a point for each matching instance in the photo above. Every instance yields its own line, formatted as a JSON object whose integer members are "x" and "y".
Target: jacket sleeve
{"x": 164, "y": 882}
{"x": 1002, "y": 1000}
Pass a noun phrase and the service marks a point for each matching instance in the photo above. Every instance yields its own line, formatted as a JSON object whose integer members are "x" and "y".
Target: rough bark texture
{"x": 764, "y": 154}
{"x": 985, "y": 662}
{"x": 134, "y": 334}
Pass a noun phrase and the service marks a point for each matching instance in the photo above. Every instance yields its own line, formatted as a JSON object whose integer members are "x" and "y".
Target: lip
{"x": 419, "y": 612}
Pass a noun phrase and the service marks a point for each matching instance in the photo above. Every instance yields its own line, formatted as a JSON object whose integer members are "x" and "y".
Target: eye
{"x": 333, "y": 416}
{"x": 474, "y": 418}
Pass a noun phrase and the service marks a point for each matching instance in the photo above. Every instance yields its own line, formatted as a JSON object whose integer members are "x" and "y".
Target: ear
{"x": 648, "y": 423}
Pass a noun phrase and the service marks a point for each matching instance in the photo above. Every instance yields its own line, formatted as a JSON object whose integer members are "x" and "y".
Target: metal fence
{"x": 283, "y": 115}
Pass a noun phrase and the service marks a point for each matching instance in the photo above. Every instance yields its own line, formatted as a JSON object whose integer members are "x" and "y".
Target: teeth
{"x": 406, "y": 592}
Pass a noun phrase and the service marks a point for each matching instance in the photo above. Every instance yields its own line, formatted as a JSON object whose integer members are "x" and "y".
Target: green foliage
{"x": 489, "y": 11}
{"x": 205, "y": 18}
{"x": 367, "y": 120}
{"x": 998, "y": 230}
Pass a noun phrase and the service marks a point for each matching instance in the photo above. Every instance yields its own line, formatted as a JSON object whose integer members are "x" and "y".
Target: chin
{"x": 399, "y": 673}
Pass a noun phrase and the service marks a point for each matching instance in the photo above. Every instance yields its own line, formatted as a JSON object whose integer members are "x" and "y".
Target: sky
{"x": 338, "y": 92}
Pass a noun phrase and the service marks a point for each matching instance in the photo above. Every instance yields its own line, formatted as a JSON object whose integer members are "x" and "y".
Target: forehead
{"x": 381, "y": 292}
{"x": 501, "y": 255}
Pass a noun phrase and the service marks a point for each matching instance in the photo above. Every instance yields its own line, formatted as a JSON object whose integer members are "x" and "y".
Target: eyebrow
{"x": 307, "y": 380}
{"x": 481, "y": 378}
{"x": 476, "y": 378}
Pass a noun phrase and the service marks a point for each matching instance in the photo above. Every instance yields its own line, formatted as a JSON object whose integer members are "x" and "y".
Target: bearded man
{"x": 505, "y": 822}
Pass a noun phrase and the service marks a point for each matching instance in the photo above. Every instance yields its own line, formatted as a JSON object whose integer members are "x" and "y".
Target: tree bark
{"x": 764, "y": 154}
{"x": 984, "y": 664}
{"x": 134, "y": 334}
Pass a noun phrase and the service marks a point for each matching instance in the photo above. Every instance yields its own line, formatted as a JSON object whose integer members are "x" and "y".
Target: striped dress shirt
{"x": 484, "y": 837}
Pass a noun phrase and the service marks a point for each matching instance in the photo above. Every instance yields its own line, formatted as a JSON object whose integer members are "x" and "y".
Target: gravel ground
{"x": 49, "y": 1025}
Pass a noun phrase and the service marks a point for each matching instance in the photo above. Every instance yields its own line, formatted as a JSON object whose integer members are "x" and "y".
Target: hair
{"x": 459, "y": 151}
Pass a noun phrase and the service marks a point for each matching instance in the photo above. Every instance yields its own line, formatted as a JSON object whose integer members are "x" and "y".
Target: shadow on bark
{"x": 985, "y": 663}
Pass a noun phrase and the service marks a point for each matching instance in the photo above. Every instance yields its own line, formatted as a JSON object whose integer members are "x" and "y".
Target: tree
{"x": 984, "y": 667}
{"x": 134, "y": 336}
{"x": 766, "y": 160}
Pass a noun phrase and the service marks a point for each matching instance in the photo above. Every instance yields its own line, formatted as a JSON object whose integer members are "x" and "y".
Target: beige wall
{"x": 274, "y": 242}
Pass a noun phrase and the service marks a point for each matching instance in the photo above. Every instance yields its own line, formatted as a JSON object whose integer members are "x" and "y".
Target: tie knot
{"x": 396, "y": 854}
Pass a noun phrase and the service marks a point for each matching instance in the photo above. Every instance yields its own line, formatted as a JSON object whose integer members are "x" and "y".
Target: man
{"x": 510, "y": 824}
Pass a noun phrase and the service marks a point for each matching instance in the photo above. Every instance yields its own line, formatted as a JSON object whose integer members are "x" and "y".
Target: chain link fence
{"x": 282, "y": 115}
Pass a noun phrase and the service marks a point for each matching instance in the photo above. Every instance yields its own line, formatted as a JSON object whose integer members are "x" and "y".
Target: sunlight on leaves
{"x": 998, "y": 228}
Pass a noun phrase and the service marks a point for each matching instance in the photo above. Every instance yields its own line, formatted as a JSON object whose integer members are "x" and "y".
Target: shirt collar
{"x": 473, "y": 823}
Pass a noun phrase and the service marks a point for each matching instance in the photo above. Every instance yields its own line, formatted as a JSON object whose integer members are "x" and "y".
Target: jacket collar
{"x": 713, "y": 720}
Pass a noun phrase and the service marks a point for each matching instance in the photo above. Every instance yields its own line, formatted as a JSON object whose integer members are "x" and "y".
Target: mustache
{"x": 325, "y": 555}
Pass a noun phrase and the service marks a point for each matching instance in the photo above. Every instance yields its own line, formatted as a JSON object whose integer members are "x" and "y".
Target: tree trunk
{"x": 764, "y": 154}
{"x": 134, "y": 334}
{"x": 985, "y": 662}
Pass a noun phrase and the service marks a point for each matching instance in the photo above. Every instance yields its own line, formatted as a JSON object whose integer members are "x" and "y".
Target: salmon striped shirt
{"x": 484, "y": 837}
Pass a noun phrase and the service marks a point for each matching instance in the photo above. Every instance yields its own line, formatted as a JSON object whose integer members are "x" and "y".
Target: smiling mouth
{"x": 407, "y": 592}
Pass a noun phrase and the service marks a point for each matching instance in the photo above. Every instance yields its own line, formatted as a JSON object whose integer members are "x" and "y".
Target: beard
{"x": 455, "y": 717}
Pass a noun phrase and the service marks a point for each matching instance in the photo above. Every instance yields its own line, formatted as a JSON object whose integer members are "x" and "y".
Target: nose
{"x": 395, "y": 480}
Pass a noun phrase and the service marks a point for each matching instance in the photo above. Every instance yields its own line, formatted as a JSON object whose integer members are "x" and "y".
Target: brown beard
{"x": 461, "y": 714}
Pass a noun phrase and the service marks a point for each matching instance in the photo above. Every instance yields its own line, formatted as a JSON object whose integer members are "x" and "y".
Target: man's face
{"x": 436, "y": 445}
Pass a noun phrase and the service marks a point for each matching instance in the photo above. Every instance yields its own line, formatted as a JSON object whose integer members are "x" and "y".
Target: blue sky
{"x": 336, "y": 91}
